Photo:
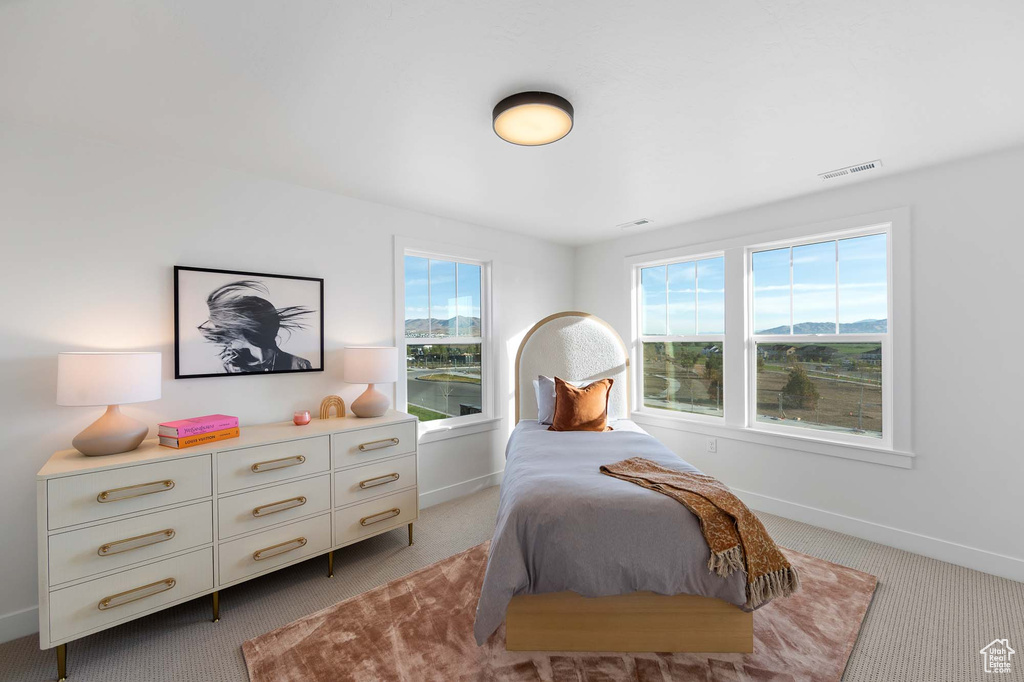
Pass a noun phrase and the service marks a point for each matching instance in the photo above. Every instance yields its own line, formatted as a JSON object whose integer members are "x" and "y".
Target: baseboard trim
{"x": 925, "y": 545}
{"x": 457, "y": 490}
{"x": 17, "y": 624}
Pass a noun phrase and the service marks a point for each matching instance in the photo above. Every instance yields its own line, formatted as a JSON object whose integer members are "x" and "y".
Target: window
{"x": 682, "y": 310}
{"x": 820, "y": 335}
{"x": 444, "y": 337}
{"x": 796, "y": 338}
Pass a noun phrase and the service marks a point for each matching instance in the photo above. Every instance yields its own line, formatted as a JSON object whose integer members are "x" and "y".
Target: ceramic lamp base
{"x": 110, "y": 434}
{"x": 372, "y": 403}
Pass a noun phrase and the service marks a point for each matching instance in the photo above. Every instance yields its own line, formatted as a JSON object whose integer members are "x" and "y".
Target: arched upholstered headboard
{"x": 574, "y": 346}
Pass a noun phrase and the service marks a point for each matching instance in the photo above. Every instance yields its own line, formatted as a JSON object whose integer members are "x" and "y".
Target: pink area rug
{"x": 420, "y": 628}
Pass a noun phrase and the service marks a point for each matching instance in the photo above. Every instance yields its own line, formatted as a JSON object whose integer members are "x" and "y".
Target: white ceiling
{"x": 683, "y": 108}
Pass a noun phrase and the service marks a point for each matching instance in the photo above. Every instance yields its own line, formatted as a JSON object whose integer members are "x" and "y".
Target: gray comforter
{"x": 563, "y": 525}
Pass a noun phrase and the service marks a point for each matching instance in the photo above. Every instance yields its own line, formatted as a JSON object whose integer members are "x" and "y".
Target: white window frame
{"x": 885, "y": 340}
{"x": 638, "y": 382}
{"x": 487, "y": 419}
{"x": 739, "y": 362}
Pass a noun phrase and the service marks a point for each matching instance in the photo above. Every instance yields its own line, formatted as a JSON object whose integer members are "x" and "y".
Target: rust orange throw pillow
{"x": 581, "y": 409}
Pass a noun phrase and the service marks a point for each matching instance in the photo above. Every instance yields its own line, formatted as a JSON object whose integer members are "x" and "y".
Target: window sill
{"x": 862, "y": 453}
{"x": 430, "y": 432}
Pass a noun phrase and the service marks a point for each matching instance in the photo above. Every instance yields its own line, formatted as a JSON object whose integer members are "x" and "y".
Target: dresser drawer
{"x": 374, "y": 516}
{"x": 373, "y": 480}
{"x": 261, "y": 552}
{"x": 88, "y": 551}
{"x": 118, "y": 597}
{"x": 247, "y": 467}
{"x": 352, "y": 448}
{"x": 265, "y": 507}
{"x": 104, "y": 494}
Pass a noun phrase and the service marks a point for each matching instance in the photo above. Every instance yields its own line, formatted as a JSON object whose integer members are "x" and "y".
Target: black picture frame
{"x": 181, "y": 270}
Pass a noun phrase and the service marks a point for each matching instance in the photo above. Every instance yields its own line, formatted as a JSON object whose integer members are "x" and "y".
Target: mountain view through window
{"x": 683, "y": 323}
{"x": 443, "y": 338}
{"x": 805, "y": 300}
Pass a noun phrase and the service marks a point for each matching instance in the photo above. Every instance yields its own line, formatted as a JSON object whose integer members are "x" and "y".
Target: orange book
{"x": 202, "y": 438}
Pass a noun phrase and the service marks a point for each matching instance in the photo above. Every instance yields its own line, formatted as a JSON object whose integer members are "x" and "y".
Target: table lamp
{"x": 110, "y": 379}
{"x": 371, "y": 365}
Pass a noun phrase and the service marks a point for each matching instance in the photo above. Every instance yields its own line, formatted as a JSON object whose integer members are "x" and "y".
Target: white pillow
{"x": 544, "y": 387}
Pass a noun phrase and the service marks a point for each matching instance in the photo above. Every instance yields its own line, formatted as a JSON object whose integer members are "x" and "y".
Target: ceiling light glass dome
{"x": 532, "y": 119}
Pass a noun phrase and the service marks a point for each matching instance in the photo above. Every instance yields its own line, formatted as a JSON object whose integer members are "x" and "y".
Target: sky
{"x": 684, "y": 298}
{"x": 857, "y": 266}
{"x": 454, "y": 289}
{"x": 689, "y": 298}
{"x": 841, "y": 280}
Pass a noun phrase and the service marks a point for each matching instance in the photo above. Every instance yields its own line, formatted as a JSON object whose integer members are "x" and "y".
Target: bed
{"x": 581, "y": 561}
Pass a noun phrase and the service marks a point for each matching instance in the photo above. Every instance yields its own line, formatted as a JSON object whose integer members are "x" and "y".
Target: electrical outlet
{"x": 712, "y": 445}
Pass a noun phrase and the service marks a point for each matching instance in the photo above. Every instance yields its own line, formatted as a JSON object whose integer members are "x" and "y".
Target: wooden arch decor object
{"x": 332, "y": 401}
{"x": 635, "y": 622}
{"x": 602, "y": 333}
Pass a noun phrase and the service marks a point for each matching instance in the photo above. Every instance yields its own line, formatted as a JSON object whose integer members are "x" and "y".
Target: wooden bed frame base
{"x": 637, "y": 622}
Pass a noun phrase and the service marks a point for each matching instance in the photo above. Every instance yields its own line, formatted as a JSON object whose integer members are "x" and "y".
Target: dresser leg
{"x": 62, "y": 662}
{"x": 410, "y": 535}
{"x": 216, "y": 607}
{"x": 330, "y": 564}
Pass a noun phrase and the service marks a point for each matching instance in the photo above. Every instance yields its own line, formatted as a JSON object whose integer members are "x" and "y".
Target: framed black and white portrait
{"x": 228, "y": 323}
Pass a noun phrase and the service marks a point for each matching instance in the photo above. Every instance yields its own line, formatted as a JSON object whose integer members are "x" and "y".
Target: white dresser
{"x": 126, "y": 535}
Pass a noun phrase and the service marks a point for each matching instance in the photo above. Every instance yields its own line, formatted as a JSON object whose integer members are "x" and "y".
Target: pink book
{"x": 198, "y": 425}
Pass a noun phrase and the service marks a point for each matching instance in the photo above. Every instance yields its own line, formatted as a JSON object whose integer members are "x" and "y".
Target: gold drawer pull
{"x": 380, "y": 480}
{"x": 137, "y": 542}
{"x": 131, "y": 491}
{"x": 283, "y": 505}
{"x": 379, "y": 516}
{"x": 378, "y": 444}
{"x": 128, "y": 596}
{"x": 282, "y": 463}
{"x": 261, "y": 554}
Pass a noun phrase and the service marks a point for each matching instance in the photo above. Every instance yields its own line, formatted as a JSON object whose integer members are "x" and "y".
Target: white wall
{"x": 962, "y": 500}
{"x": 89, "y": 237}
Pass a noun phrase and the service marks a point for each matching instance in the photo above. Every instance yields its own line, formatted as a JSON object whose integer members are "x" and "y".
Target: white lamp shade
{"x": 107, "y": 378}
{"x": 377, "y": 365}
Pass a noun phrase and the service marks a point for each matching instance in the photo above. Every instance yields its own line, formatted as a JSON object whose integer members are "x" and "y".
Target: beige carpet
{"x": 926, "y": 624}
{"x": 420, "y": 629}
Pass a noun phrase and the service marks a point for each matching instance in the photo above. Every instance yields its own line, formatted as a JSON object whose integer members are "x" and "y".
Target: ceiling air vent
{"x": 851, "y": 170}
{"x": 639, "y": 222}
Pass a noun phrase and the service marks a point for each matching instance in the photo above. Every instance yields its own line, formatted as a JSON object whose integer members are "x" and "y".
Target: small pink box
{"x": 197, "y": 425}
{"x": 301, "y": 418}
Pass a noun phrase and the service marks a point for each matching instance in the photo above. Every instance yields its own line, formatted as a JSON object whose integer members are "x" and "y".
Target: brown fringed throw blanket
{"x": 736, "y": 537}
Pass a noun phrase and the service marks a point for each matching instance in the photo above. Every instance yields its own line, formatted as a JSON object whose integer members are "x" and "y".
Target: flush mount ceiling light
{"x": 531, "y": 119}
